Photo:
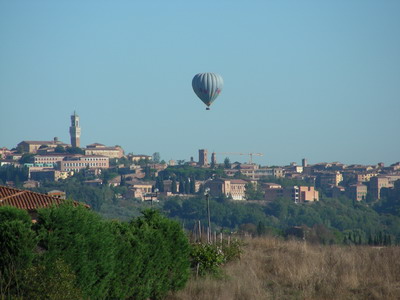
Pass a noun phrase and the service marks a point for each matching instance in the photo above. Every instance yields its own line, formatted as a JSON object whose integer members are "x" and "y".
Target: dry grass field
{"x": 276, "y": 269}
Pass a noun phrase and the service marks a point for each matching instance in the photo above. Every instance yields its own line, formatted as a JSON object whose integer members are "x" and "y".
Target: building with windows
{"x": 357, "y": 192}
{"x": 255, "y": 172}
{"x": 298, "y": 194}
{"x": 100, "y": 149}
{"x": 139, "y": 189}
{"x": 234, "y": 188}
{"x": 326, "y": 179}
{"x": 365, "y": 177}
{"x": 137, "y": 157}
{"x": 376, "y": 184}
{"x": 52, "y": 158}
{"x": 80, "y": 162}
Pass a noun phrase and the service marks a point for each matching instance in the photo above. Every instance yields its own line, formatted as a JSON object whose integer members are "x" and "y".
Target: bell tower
{"x": 75, "y": 131}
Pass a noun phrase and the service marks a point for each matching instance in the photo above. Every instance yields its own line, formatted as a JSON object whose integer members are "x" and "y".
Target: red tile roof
{"x": 237, "y": 181}
{"x": 27, "y": 200}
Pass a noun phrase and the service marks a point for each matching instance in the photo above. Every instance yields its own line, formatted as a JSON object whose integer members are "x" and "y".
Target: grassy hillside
{"x": 276, "y": 269}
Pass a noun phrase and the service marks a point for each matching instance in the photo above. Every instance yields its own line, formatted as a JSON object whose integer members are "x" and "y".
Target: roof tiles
{"x": 27, "y": 200}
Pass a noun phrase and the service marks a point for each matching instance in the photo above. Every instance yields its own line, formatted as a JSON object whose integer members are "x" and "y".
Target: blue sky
{"x": 315, "y": 79}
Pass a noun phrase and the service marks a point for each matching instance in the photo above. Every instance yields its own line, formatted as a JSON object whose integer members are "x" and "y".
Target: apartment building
{"x": 298, "y": 194}
{"x": 100, "y": 149}
{"x": 79, "y": 162}
{"x": 365, "y": 177}
{"x": 357, "y": 192}
{"x": 376, "y": 184}
{"x": 53, "y": 158}
{"x": 325, "y": 179}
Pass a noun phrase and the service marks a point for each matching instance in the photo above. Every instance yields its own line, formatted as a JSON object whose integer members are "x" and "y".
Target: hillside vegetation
{"x": 276, "y": 269}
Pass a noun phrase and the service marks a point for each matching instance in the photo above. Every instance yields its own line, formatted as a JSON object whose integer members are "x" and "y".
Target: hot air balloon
{"x": 207, "y": 87}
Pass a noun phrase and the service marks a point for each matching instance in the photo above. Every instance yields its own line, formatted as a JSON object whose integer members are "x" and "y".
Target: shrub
{"x": 55, "y": 281}
{"x": 207, "y": 258}
{"x": 165, "y": 251}
{"x": 83, "y": 241}
{"x": 17, "y": 243}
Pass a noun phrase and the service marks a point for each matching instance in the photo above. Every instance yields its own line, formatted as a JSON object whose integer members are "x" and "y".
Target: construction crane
{"x": 238, "y": 153}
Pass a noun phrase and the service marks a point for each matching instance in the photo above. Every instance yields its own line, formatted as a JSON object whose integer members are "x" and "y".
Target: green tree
{"x": 17, "y": 243}
{"x": 192, "y": 186}
{"x": 174, "y": 189}
{"x": 166, "y": 254}
{"x": 253, "y": 192}
{"x": 156, "y": 157}
{"x": 54, "y": 281}
{"x": 9, "y": 172}
{"x": 27, "y": 158}
{"x": 160, "y": 184}
{"x": 75, "y": 150}
{"x": 187, "y": 186}
{"x": 82, "y": 240}
{"x": 227, "y": 163}
{"x": 182, "y": 186}
{"x": 261, "y": 229}
{"x": 59, "y": 149}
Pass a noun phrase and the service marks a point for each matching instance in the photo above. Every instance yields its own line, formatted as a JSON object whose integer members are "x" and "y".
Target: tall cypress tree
{"x": 173, "y": 186}
{"x": 187, "y": 186}
{"x": 192, "y": 185}
{"x": 182, "y": 186}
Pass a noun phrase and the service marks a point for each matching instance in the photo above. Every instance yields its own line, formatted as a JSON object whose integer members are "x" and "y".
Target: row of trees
{"x": 71, "y": 253}
{"x": 336, "y": 218}
{"x": 183, "y": 186}
{"x": 15, "y": 174}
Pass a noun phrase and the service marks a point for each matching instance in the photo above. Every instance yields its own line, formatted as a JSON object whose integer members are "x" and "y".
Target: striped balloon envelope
{"x": 207, "y": 87}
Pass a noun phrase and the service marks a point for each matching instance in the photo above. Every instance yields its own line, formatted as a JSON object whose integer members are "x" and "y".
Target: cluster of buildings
{"x": 51, "y": 159}
{"x": 54, "y": 160}
{"x": 335, "y": 179}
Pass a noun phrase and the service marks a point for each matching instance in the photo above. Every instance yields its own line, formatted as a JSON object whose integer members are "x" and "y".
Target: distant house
{"x": 234, "y": 188}
{"x": 31, "y": 184}
{"x": 28, "y": 200}
{"x": 139, "y": 189}
{"x": 4, "y": 152}
{"x": 137, "y": 157}
{"x": 58, "y": 194}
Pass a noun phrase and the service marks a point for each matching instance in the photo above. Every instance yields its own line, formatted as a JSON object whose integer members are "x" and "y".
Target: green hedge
{"x": 72, "y": 248}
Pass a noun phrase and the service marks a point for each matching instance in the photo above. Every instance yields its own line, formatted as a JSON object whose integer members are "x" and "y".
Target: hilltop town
{"x": 146, "y": 177}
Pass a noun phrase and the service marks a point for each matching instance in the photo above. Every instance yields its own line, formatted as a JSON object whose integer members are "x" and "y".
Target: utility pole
{"x": 207, "y": 194}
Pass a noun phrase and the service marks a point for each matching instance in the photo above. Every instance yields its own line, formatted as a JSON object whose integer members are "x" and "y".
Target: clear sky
{"x": 315, "y": 79}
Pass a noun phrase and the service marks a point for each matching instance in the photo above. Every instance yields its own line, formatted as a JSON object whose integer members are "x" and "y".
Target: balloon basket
{"x": 207, "y": 108}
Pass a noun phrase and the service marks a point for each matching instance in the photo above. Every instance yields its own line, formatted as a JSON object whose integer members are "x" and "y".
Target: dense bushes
{"x": 71, "y": 249}
{"x": 17, "y": 243}
{"x": 83, "y": 241}
{"x": 208, "y": 258}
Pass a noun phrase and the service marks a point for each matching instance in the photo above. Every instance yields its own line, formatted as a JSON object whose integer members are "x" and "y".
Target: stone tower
{"x": 304, "y": 162}
{"x": 75, "y": 131}
{"x": 203, "y": 160}
{"x": 213, "y": 159}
